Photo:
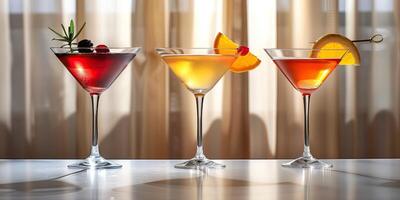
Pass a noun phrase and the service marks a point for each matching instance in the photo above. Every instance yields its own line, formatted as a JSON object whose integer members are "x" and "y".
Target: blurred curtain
{"x": 147, "y": 113}
{"x": 355, "y": 112}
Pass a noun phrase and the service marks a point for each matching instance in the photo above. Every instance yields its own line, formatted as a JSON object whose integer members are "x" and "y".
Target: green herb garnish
{"x": 69, "y": 36}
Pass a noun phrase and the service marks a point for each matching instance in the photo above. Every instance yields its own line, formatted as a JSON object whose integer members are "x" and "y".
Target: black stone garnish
{"x": 85, "y": 46}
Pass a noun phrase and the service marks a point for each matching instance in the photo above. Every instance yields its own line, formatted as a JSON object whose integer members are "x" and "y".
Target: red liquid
{"x": 306, "y": 74}
{"x": 95, "y": 71}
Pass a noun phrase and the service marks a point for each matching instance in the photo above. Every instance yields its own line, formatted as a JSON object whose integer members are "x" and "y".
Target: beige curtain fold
{"x": 38, "y": 125}
{"x": 382, "y": 121}
{"x": 151, "y": 97}
{"x": 396, "y": 72}
{"x": 348, "y": 136}
{"x": 5, "y": 76}
{"x": 354, "y": 112}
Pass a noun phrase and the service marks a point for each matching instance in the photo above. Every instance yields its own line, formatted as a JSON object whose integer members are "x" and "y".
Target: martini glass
{"x": 199, "y": 69}
{"x": 306, "y": 71}
{"x": 95, "y": 72}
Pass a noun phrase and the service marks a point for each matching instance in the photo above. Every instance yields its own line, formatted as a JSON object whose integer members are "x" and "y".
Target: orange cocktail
{"x": 306, "y": 70}
{"x": 306, "y": 74}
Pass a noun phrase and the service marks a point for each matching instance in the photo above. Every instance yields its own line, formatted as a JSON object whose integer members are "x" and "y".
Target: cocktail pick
{"x": 376, "y": 38}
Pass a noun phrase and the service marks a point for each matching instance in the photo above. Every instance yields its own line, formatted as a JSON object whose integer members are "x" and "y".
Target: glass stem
{"x": 306, "y": 101}
{"x": 199, "y": 106}
{"x": 95, "y": 135}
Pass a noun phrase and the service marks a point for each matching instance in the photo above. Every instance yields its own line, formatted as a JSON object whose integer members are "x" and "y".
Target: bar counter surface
{"x": 241, "y": 179}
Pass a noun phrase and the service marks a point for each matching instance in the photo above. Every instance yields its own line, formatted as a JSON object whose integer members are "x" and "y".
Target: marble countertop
{"x": 241, "y": 179}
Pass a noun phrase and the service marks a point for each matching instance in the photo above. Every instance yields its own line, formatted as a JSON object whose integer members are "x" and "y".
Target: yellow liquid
{"x": 199, "y": 73}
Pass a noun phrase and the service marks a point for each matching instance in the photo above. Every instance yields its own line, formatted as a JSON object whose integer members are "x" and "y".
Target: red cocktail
{"x": 95, "y": 70}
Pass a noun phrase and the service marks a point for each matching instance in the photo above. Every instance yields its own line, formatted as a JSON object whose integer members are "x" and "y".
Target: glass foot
{"x": 196, "y": 163}
{"x": 95, "y": 163}
{"x": 307, "y": 162}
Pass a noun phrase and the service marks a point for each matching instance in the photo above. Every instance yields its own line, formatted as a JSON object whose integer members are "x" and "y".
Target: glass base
{"x": 307, "y": 162}
{"x": 95, "y": 162}
{"x": 196, "y": 163}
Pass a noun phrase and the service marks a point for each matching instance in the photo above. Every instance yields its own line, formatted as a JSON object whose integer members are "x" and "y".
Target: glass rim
{"x": 66, "y": 47}
{"x": 305, "y": 49}
{"x": 273, "y": 51}
{"x": 195, "y": 48}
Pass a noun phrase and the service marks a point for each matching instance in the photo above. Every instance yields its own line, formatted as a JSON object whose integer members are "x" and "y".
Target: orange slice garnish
{"x": 337, "y": 41}
{"x": 243, "y": 63}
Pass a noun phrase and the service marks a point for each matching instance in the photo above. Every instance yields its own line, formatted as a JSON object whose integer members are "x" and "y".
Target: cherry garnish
{"x": 101, "y": 48}
{"x": 243, "y": 50}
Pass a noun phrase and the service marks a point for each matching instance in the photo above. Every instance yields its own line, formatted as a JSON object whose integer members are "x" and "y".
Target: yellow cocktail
{"x": 199, "y": 69}
{"x": 199, "y": 73}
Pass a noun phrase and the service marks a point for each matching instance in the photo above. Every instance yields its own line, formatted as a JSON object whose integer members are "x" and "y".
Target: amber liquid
{"x": 306, "y": 74}
{"x": 199, "y": 73}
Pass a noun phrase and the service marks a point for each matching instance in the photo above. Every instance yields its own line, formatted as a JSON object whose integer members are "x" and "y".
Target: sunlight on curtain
{"x": 262, "y": 19}
{"x": 262, "y": 102}
{"x": 27, "y": 36}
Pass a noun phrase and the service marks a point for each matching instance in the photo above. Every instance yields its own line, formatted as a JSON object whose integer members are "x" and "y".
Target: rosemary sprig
{"x": 70, "y": 36}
